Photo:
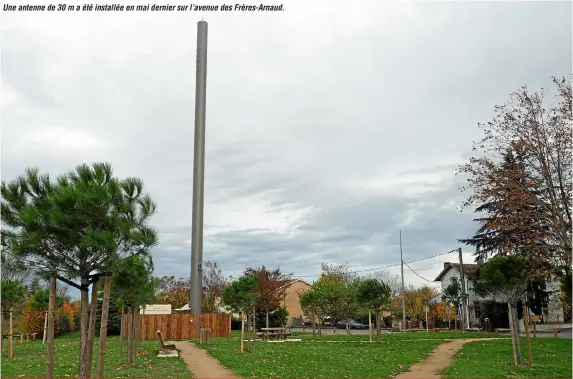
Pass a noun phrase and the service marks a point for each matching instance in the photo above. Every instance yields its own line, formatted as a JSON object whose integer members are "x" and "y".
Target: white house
{"x": 451, "y": 273}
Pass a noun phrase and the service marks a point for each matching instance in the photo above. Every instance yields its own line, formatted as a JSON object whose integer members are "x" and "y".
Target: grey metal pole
{"x": 198, "y": 175}
{"x": 403, "y": 293}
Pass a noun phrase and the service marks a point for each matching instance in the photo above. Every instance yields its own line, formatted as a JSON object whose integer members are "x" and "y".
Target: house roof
{"x": 289, "y": 282}
{"x": 470, "y": 270}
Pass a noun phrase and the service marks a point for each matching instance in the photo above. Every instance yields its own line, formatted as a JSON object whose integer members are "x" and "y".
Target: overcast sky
{"x": 330, "y": 126}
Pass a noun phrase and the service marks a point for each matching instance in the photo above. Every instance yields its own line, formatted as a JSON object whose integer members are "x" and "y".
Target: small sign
{"x": 535, "y": 318}
{"x": 156, "y": 309}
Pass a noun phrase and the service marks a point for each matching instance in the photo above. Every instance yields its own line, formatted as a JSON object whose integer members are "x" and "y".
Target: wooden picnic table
{"x": 274, "y": 333}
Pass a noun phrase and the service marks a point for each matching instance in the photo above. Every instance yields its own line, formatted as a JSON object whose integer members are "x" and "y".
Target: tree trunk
{"x": 512, "y": 328}
{"x": 378, "y": 331}
{"x": 242, "y": 331}
{"x": 129, "y": 334}
{"x": 267, "y": 315}
{"x": 313, "y": 327}
{"x": 51, "y": 328}
{"x": 84, "y": 320}
{"x": 91, "y": 326}
{"x": 517, "y": 340}
{"x": 370, "y": 324}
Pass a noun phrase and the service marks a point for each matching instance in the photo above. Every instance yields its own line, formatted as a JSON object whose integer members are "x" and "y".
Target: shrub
{"x": 387, "y": 320}
{"x": 235, "y": 323}
{"x": 277, "y": 318}
{"x": 113, "y": 321}
{"x": 70, "y": 311}
{"x": 65, "y": 323}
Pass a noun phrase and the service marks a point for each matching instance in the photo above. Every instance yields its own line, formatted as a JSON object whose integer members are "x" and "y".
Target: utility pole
{"x": 464, "y": 301}
{"x": 198, "y": 176}
{"x": 403, "y": 294}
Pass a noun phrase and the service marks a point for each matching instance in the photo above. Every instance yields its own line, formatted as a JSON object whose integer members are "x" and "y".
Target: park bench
{"x": 274, "y": 333}
{"x": 165, "y": 347}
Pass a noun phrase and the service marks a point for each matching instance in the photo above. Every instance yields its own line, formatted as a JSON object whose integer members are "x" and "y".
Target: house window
{"x": 454, "y": 280}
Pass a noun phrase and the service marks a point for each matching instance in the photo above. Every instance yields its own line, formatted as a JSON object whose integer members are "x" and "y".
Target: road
{"x": 564, "y": 333}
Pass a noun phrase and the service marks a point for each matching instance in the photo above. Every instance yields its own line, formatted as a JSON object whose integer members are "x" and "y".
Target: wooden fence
{"x": 179, "y": 326}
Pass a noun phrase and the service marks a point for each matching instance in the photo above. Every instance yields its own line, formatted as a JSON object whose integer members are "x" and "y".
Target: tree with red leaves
{"x": 272, "y": 287}
{"x": 521, "y": 178}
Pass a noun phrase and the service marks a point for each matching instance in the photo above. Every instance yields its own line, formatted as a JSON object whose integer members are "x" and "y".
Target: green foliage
{"x": 372, "y": 294}
{"x": 504, "y": 277}
{"x": 278, "y": 317}
{"x": 82, "y": 222}
{"x": 133, "y": 283}
{"x": 313, "y": 302}
{"x": 65, "y": 325}
{"x": 453, "y": 294}
{"x": 113, "y": 320}
{"x": 242, "y": 294}
{"x": 13, "y": 293}
{"x": 338, "y": 295}
{"x": 41, "y": 299}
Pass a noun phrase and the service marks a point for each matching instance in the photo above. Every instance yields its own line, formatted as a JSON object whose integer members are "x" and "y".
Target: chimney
{"x": 446, "y": 264}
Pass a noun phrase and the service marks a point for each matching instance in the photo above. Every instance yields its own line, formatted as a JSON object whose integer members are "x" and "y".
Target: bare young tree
{"x": 213, "y": 285}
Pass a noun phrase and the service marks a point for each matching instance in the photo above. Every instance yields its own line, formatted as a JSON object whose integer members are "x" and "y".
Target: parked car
{"x": 353, "y": 324}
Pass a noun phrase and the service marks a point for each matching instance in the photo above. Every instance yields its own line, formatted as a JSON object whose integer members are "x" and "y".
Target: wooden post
{"x": 91, "y": 325}
{"x": 206, "y": 336}
{"x": 370, "y": 324}
{"x": 554, "y": 330}
{"x": 45, "y": 328}
{"x": 51, "y": 329}
{"x": 527, "y": 337}
{"x": 137, "y": 332}
{"x": 449, "y": 319}
{"x": 142, "y": 325}
{"x": 103, "y": 326}
{"x": 512, "y": 328}
{"x": 121, "y": 334}
{"x": 21, "y": 338}
{"x": 10, "y": 341}
{"x": 129, "y": 333}
{"x": 242, "y": 331}
{"x": 535, "y": 330}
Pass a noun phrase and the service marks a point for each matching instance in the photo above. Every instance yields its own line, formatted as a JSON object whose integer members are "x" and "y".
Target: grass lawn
{"x": 321, "y": 358}
{"x": 491, "y": 359}
{"x": 30, "y": 362}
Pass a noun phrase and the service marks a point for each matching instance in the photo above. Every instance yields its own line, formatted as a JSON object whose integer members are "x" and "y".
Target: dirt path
{"x": 201, "y": 364}
{"x": 438, "y": 360}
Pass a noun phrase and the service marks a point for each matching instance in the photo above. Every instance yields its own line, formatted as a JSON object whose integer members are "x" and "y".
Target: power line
{"x": 418, "y": 275}
{"x": 384, "y": 267}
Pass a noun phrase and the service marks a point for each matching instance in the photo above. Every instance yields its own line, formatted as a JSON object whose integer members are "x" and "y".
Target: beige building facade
{"x": 291, "y": 300}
